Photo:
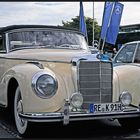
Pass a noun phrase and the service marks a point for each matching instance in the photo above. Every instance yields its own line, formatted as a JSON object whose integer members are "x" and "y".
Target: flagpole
{"x": 99, "y": 47}
{"x": 108, "y": 26}
{"x": 93, "y": 25}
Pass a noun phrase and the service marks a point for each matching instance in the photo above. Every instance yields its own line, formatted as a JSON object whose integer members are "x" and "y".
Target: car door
{"x": 2, "y": 70}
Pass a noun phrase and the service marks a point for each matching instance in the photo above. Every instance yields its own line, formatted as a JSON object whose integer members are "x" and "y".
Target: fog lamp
{"x": 125, "y": 98}
{"x": 77, "y": 100}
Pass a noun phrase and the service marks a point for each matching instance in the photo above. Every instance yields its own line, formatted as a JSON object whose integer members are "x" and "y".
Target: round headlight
{"x": 125, "y": 98}
{"x": 77, "y": 100}
{"x": 44, "y": 85}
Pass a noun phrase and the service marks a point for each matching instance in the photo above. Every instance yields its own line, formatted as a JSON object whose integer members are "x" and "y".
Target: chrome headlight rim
{"x": 124, "y": 93}
{"x": 71, "y": 99}
{"x": 34, "y": 84}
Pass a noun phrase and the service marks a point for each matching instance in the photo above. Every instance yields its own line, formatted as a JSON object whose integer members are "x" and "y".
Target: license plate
{"x": 107, "y": 107}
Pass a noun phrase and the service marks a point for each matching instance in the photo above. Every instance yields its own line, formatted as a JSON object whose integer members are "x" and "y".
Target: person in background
{"x": 114, "y": 52}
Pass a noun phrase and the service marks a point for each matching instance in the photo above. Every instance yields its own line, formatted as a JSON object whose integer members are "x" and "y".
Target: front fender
{"x": 31, "y": 102}
{"x": 129, "y": 80}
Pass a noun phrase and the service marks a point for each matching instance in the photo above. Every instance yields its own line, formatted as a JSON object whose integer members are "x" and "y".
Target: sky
{"x": 52, "y": 13}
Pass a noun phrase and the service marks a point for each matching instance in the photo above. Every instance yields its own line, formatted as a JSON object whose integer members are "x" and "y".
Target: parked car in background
{"x": 129, "y": 53}
{"x": 127, "y": 76}
{"x": 48, "y": 74}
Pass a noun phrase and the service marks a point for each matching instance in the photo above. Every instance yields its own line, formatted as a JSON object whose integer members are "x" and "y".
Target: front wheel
{"x": 21, "y": 124}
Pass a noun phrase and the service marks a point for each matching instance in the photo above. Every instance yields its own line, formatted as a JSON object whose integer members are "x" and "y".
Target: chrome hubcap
{"x": 20, "y": 110}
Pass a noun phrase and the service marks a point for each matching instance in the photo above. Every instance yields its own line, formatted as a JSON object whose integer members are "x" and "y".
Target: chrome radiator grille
{"x": 95, "y": 82}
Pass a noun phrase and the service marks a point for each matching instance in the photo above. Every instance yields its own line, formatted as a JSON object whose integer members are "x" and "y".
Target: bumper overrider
{"x": 67, "y": 116}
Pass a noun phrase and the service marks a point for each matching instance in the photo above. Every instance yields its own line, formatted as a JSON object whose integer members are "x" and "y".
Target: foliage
{"x": 74, "y": 23}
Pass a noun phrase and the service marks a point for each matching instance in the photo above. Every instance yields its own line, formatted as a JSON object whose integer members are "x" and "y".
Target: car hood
{"x": 58, "y": 55}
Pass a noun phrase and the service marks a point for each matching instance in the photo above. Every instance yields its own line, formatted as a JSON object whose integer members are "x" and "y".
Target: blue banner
{"x": 108, "y": 7}
{"x": 83, "y": 28}
{"x": 113, "y": 29}
{"x": 111, "y": 21}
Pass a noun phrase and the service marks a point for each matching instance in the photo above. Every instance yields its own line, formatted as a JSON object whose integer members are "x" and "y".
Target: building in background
{"x": 128, "y": 33}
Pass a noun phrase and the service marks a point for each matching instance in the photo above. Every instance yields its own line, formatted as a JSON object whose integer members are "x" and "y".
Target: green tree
{"x": 89, "y": 23}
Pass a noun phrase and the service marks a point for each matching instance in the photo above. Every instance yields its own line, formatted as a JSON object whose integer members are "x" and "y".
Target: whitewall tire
{"x": 21, "y": 124}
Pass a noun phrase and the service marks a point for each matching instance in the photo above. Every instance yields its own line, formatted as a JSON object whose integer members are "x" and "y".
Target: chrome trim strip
{"x": 7, "y": 42}
{"x": 57, "y": 117}
{"x": 59, "y": 61}
{"x": 78, "y": 87}
{"x": 100, "y": 70}
{"x": 36, "y": 63}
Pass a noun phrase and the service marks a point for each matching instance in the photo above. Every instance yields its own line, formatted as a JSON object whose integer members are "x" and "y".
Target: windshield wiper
{"x": 47, "y": 46}
{"x": 69, "y": 46}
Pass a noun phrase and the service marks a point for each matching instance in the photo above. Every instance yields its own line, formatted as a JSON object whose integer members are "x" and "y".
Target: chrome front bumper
{"x": 56, "y": 117}
{"x": 67, "y": 116}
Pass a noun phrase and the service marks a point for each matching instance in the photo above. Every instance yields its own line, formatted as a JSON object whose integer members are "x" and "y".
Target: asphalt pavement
{"x": 97, "y": 130}
{"x": 5, "y": 132}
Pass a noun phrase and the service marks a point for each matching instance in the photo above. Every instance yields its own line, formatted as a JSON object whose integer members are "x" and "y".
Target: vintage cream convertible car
{"x": 48, "y": 74}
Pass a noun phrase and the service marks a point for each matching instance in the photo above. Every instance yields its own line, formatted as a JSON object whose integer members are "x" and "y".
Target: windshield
{"x": 46, "y": 39}
{"x": 126, "y": 54}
